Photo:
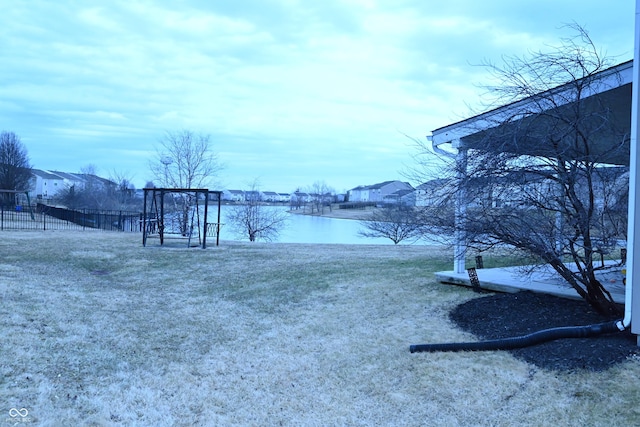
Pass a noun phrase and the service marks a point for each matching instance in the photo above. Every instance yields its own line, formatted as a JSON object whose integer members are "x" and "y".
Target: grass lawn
{"x": 98, "y": 330}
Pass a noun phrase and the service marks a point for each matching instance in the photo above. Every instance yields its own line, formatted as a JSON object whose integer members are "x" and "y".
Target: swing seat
{"x": 154, "y": 221}
{"x": 152, "y": 227}
{"x": 212, "y": 229}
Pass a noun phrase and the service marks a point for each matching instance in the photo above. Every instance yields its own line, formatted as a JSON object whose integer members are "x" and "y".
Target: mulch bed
{"x": 504, "y": 315}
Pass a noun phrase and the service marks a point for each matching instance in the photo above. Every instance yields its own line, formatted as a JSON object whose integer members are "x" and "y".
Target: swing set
{"x": 181, "y": 220}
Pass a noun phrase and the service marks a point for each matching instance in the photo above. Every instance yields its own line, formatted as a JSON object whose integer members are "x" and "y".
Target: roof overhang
{"x": 610, "y": 89}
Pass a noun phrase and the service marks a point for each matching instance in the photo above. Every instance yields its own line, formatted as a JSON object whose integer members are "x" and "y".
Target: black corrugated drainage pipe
{"x": 525, "y": 340}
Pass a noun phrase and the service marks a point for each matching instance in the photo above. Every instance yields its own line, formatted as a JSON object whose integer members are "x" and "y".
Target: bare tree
{"x": 534, "y": 179}
{"x": 93, "y": 192}
{"x": 185, "y": 159}
{"x": 124, "y": 191}
{"x": 256, "y": 220}
{"x": 96, "y": 192}
{"x": 397, "y": 223}
{"x": 321, "y": 197}
{"x": 15, "y": 168}
{"x": 296, "y": 202}
{"x": 71, "y": 196}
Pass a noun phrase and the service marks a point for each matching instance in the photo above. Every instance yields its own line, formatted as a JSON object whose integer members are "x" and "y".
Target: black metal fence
{"x": 43, "y": 217}
{"x": 356, "y": 205}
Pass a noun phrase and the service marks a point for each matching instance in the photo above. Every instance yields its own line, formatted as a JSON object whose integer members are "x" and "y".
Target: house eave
{"x": 613, "y": 84}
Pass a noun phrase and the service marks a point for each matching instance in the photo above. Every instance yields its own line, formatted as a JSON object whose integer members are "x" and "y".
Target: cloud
{"x": 286, "y": 88}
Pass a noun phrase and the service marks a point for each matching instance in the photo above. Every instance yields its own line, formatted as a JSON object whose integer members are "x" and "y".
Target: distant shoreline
{"x": 329, "y": 212}
{"x": 335, "y": 212}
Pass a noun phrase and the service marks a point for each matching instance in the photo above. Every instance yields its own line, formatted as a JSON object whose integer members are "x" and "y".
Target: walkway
{"x": 544, "y": 280}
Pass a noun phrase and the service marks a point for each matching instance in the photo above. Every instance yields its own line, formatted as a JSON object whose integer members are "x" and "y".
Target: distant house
{"x": 45, "y": 184}
{"x": 609, "y": 186}
{"x": 253, "y": 196}
{"x": 326, "y": 198}
{"x": 99, "y": 182}
{"x": 233, "y": 196}
{"x": 48, "y": 184}
{"x": 70, "y": 179}
{"x": 520, "y": 189}
{"x": 505, "y": 191}
{"x": 433, "y": 192}
{"x": 284, "y": 197}
{"x": 265, "y": 196}
{"x": 401, "y": 198}
{"x": 377, "y": 192}
{"x": 359, "y": 194}
{"x": 300, "y": 198}
{"x": 270, "y": 196}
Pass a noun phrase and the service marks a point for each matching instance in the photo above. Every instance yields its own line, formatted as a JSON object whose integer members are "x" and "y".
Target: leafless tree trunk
{"x": 124, "y": 192}
{"x": 255, "y": 220}
{"x": 15, "y": 169}
{"x": 535, "y": 181}
{"x": 397, "y": 223}
{"x": 94, "y": 194}
{"x": 90, "y": 194}
{"x": 321, "y": 196}
{"x": 185, "y": 159}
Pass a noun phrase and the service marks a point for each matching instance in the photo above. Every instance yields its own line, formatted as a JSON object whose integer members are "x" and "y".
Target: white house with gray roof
{"x": 45, "y": 184}
{"x": 233, "y": 195}
{"x": 377, "y": 192}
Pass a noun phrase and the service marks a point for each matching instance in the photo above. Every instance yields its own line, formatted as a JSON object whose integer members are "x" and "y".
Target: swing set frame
{"x": 153, "y": 215}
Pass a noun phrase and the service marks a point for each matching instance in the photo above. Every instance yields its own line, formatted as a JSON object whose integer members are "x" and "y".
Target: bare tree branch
{"x": 397, "y": 223}
{"x": 185, "y": 159}
{"x": 15, "y": 168}
{"x": 534, "y": 178}
{"x": 255, "y": 220}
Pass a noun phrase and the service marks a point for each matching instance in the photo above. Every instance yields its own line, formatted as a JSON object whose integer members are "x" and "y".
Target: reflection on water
{"x": 313, "y": 229}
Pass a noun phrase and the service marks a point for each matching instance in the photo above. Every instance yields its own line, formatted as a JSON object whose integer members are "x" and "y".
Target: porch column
{"x": 633, "y": 231}
{"x": 460, "y": 244}
{"x": 559, "y": 190}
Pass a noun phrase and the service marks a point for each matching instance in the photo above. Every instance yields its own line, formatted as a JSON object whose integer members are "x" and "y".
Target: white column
{"x": 559, "y": 190}
{"x": 633, "y": 231}
{"x": 460, "y": 245}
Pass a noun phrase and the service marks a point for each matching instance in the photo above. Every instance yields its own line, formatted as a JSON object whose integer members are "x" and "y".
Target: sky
{"x": 291, "y": 92}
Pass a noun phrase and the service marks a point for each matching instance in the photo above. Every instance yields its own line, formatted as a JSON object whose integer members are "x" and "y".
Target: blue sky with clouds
{"x": 291, "y": 91}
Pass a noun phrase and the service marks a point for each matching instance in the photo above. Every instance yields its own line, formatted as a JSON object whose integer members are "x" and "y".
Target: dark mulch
{"x": 507, "y": 315}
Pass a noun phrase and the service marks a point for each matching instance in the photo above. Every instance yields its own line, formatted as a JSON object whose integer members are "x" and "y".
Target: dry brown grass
{"x": 98, "y": 330}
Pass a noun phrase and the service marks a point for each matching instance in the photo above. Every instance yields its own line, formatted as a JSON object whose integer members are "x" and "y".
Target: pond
{"x": 313, "y": 229}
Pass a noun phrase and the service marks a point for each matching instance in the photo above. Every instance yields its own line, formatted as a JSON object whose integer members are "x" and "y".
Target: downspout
{"x": 437, "y": 149}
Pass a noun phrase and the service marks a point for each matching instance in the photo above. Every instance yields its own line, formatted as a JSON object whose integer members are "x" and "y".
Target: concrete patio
{"x": 544, "y": 280}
